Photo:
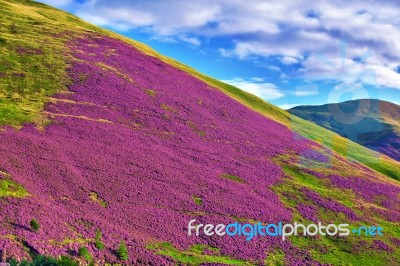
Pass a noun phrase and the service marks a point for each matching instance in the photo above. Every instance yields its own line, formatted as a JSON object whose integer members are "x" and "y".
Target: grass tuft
{"x": 196, "y": 255}
{"x": 233, "y": 178}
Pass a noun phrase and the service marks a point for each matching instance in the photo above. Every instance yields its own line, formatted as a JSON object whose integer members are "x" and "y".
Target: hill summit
{"x": 369, "y": 122}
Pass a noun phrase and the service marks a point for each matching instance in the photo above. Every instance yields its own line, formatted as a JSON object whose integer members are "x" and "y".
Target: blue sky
{"x": 287, "y": 52}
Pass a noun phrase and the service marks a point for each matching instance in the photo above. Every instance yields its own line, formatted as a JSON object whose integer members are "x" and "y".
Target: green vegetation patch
{"x": 95, "y": 198}
{"x": 297, "y": 179}
{"x": 168, "y": 108}
{"x": 33, "y": 58}
{"x": 335, "y": 250}
{"x": 195, "y": 255}
{"x": 233, "y": 178}
{"x": 196, "y": 129}
{"x": 151, "y": 93}
{"x": 9, "y": 188}
{"x": 70, "y": 241}
{"x": 197, "y": 200}
{"x": 355, "y": 250}
{"x": 45, "y": 260}
{"x": 85, "y": 254}
{"x": 32, "y": 63}
{"x": 276, "y": 258}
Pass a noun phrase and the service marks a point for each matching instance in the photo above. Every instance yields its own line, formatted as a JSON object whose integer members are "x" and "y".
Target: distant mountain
{"x": 372, "y": 123}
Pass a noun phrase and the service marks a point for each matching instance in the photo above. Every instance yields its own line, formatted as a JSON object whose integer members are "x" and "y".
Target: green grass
{"x": 275, "y": 258}
{"x": 9, "y": 188}
{"x": 333, "y": 250}
{"x": 151, "y": 93}
{"x": 195, "y": 255}
{"x": 85, "y": 254}
{"x": 346, "y": 148}
{"x": 196, "y": 129}
{"x": 197, "y": 200}
{"x": 321, "y": 186}
{"x": 168, "y": 108}
{"x": 30, "y": 71}
{"x": 339, "y": 251}
{"x": 33, "y": 58}
{"x": 70, "y": 241}
{"x": 233, "y": 178}
{"x": 95, "y": 198}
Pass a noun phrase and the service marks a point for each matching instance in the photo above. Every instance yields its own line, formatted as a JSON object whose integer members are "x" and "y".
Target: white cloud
{"x": 288, "y": 60}
{"x": 273, "y": 68}
{"x": 57, "y": 3}
{"x": 290, "y": 29}
{"x": 347, "y": 87}
{"x": 224, "y": 52}
{"x": 189, "y": 40}
{"x": 264, "y": 90}
{"x": 288, "y": 106}
{"x": 257, "y": 79}
{"x": 371, "y": 72}
{"x": 306, "y": 90}
{"x": 386, "y": 76}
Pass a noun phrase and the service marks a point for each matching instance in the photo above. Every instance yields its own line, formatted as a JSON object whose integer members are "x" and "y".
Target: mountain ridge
{"x": 375, "y": 126}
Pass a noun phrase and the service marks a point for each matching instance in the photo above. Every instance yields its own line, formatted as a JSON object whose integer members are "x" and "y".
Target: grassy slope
{"x": 39, "y": 19}
{"x": 24, "y": 58}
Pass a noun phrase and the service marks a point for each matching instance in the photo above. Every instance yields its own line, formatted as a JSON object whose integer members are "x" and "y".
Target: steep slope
{"x": 328, "y": 138}
{"x": 371, "y": 123}
{"x": 41, "y": 24}
{"x": 105, "y": 137}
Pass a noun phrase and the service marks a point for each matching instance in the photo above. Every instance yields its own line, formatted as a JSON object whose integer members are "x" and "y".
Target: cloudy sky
{"x": 287, "y": 52}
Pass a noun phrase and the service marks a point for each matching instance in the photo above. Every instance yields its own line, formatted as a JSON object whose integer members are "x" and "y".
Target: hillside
{"x": 371, "y": 123}
{"x": 102, "y": 134}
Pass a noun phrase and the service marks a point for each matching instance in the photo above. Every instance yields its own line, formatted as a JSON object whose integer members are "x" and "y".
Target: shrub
{"x": 34, "y": 225}
{"x": 122, "y": 251}
{"x": 84, "y": 253}
{"x": 41, "y": 260}
{"x": 24, "y": 262}
{"x": 98, "y": 235}
{"x": 66, "y": 261}
{"x": 98, "y": 243}
{"x": 13, "y": 262}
